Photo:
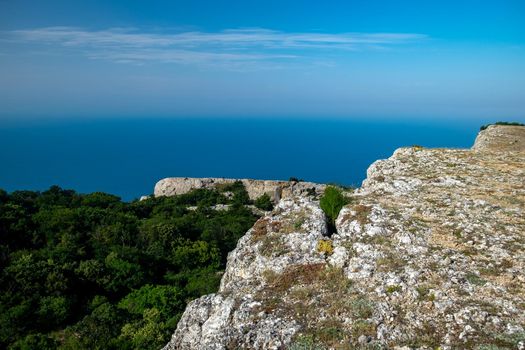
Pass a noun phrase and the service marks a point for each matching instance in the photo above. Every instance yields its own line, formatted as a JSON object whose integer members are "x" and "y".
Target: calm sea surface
{"x": 127, "y": 157}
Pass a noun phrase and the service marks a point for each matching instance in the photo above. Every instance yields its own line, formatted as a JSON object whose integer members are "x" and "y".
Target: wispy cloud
{"x": 228, "y": 46}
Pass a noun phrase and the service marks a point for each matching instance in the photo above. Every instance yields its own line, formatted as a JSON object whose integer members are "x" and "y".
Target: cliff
{"x": 430, "y": 253}
{"x": 255, "y": 188}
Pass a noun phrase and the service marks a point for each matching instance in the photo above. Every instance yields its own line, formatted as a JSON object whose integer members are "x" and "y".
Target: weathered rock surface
{"x": 275, "y": 189}
{"x": 239, "y": 316}
{"x": 430, "y": 253}
{"x": 501, "y": 137}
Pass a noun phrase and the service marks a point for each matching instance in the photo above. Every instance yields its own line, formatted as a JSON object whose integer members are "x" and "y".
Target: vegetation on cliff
{"x": 331, "y": 202}
{"x": 483, "y": 127}
{"x": 92, "y": 272}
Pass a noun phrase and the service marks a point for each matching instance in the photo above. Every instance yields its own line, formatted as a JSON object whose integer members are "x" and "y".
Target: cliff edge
{"x": 275, "y": 189}
{"x": 430, "y": 253}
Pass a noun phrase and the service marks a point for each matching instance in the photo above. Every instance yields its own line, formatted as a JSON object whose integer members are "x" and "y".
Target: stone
{"x": 275, "y": 189}
{"x": 430, "y": 251}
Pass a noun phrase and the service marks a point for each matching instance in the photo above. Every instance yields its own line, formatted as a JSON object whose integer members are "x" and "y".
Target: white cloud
{"x": 231, "y": 45}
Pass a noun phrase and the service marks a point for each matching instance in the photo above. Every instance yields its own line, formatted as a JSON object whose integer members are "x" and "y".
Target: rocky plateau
{"x": 428, "y": 254}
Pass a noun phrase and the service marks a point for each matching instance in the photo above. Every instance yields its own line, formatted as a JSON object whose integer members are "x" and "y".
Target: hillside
{"x": 430, "y": 253}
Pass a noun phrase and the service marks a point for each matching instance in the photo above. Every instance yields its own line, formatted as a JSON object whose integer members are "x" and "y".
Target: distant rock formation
{"x": 255, "y": 188}
{"x": 501, "y": 137}
{"x": 429, "y": 254}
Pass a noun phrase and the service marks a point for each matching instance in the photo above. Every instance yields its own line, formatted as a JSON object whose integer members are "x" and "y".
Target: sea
{"x": 127, "y": 156}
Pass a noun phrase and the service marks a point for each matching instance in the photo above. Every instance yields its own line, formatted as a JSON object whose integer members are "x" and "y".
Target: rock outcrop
{"x": 430, "y": 253}
{"x": 275, "y": 189}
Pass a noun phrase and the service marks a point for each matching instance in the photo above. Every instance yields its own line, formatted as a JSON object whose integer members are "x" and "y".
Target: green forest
{"x": 90, "y": 271}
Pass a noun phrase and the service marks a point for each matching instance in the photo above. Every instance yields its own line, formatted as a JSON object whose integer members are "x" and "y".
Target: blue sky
{"x": 404, "y": 59}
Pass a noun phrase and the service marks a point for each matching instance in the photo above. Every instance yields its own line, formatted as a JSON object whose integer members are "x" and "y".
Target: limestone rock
{"x": 430, "y": 253}
{"x": 241, "y": 314}
{"x": 501, "y": 138}
{"x": 275, "y": 189}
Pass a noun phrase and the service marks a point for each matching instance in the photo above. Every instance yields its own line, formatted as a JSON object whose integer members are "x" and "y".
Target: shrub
{"x": 483, "y": 127}
{"x": 295, "y": 179}
{"x": 240, "y": 195}
{"x": 331, "y": 202}
{"x": 264, "y": 202}
{"x": 324, "y": 246}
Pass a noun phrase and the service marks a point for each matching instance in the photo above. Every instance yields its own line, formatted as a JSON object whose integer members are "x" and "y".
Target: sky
{"x": 346, "y": 59}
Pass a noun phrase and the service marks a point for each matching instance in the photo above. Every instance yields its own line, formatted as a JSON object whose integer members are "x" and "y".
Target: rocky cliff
{"x": 275, "y": 189}
{"x": 430, "y": 253}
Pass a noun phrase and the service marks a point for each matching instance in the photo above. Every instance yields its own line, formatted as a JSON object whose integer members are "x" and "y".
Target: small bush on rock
{"x": 483, "y": 127}
{"x": 331, "y": 202}
{"x": 324, "y": 246}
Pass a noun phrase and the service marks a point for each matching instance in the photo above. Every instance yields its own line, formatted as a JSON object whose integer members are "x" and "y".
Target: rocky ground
{"x": 429, "y": 254}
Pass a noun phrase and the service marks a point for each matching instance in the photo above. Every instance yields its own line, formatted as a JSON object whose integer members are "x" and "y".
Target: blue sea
{"x": 127, "y": 157}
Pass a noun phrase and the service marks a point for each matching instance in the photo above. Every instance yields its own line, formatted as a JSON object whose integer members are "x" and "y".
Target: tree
{"x": 88, "y": 271}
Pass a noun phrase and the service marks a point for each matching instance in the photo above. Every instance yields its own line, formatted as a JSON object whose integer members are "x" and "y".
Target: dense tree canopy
{"x": 88, "y": 271}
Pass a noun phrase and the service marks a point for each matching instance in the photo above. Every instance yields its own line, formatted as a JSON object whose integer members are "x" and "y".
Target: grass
{"x": 361, "y": 214}
{"x": 295, "y": 275}
{"x": 317, "y": 296}
{"x": 362, "y": 327}
{"x": 362, "y": 308}
{"x": 392, "y": 289}
{"x": 306, "y": 342}
{"x": 424, "y": 294}
{"x": 272, "y": 245}
{"x": 390, "y": 262}
{"x": 260, "y": 229}
{"x": 474, "y": 279}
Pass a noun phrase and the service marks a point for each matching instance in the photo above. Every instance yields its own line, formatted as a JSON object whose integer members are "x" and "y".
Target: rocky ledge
{"x": 429, "y": 254}
{"x": 275, "y": 189}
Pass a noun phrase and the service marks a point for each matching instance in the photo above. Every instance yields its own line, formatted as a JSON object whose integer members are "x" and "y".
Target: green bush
{"x": 483, "y": 127}
{"x": 264, "y": 202}
{"x": 88, "y": 271}
{"x": 295, "y": 179}
{"x": 331, "y": 202}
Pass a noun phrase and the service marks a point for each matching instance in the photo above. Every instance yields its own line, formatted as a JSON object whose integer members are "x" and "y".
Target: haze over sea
{"x": 127, "y": 156}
